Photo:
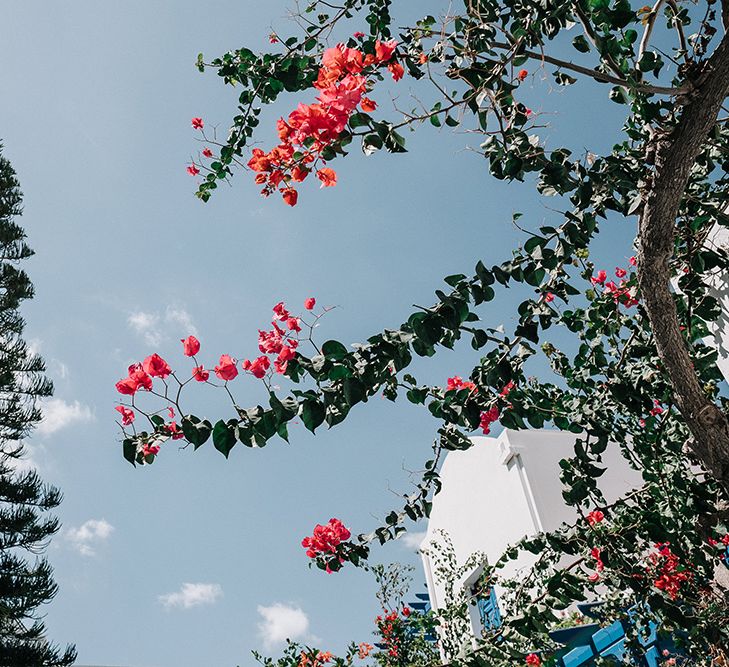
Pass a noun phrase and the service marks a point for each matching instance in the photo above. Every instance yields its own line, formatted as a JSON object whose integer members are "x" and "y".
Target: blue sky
{"x": 98, "y": 99}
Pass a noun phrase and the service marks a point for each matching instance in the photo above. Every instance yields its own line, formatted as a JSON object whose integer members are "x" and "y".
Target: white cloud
{"x": 147, "y": 326}
{"x": 58, "y": 414}
{"x": 281, "y": 622}
{"x": 192, "y": 595}
{"x": 157, "y": 327}
{"x": 413, "y": 540}
{"x": 89, "y": 535}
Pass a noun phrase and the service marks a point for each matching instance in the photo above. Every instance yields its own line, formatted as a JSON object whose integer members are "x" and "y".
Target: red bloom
{"x": 200, "y": 374}
{"x": 136, "y": 379}
{"x": 150, "y": 449}
{"x": 595, "y": 517}
{"x": 595, "y": 552}
{"x": 326, "y": 539}
{"x": 272, "y": 38}
{"x": 456, "y": 383}
{"x": 207, "y": 152}
{"x": 368, "y": 105}
{"x": 299, "y": 174}
{"x": 487, "y": 418}
{"x": 523, "y": 74}
{"x": 384, "y": 50}
{"x": 656, "y": 409}
{"x": 397, "y": 71}
{"x": 193, "y": 170}
{"x": 290, "y": 196}
{"x": 156, "y": 366}
{"x": 310, "y": 303}
{"x": 600, "y": 279}
{"x": 174, "y": 430}
{"x": 127, "y": 415}
{"x": 358, "y": 35}
{"x": 406, "y": 611}
{"x": 258, "y": 366}
{"x": 190, "y": 346}
{"x": 197, "y": 123}
{"x": 293, "y": 324}
{"x": 533, "y": 660}
{"x": 280, "y": 311}
{"x": 633, "y": 261}
{"x": 226, "y": 368}
{"x": 327, "y": 176}
{"x": 620, "y": 273}
{"x": 506, "y": 389}
{"x": 549, "y": 297}
{"x": 422, "y": 58}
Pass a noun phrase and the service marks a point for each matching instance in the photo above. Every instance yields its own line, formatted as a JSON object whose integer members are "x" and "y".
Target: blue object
{"x": 488, "y": 610}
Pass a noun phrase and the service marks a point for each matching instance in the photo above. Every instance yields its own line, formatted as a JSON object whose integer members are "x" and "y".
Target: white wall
{"x": 505, "y": 488}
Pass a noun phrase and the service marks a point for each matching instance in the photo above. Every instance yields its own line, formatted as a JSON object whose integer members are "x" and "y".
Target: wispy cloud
{"x": 413, "y": 540}
{"x": 89, "y": 535}
{"x": 281, "y": 622}
{"x": 58, "y": 414}
{"x": 157, "y": 327}
{"x": 192, "y": 595}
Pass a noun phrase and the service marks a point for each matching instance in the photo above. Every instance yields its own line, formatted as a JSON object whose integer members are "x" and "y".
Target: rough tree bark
{"x": 675, "y": 152}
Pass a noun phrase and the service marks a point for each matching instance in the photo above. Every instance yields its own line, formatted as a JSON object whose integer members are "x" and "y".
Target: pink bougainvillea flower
{"x": 273, "y": 38}
{"x": 533, "y": 660}
{"x": 523, "y": 74}
{"x": 368, "y": 105}
{"x": 549, "y": 297}
{"x": 384, "y": 50}
{"x": 293, "y": 324}
{"x": 397, "y": 71}
{"x": 259, "y": 366}
{"x": 127, "y": 415}
{"x": 656, "y": 409}
{"x": 190, "y": 346}
{"x": 171, "y": 412}
{"x": 207, "y": 152}
{"x": 595, "y": 517}
{"x": 594, "y": 577}
{"x": 280, "y": 312}
{"x": 488, "y": 417}
{"x": 310, "y": 303}
{"x": 633, "y": 261}
{"x": 174, "y": 430}
{"x": 326, "y": 539}
{"x": 290, "y": 196}
{"x": 506, "y": 389}
{"x": 600, "y": 278}
{"x": 200, "y": 374}
{"x": 327, "y": 176}
{"x": 150, "y": 449}
{"x": 358, "y": 35}
{"x": 137, "y": 379}
{"x": 457, "y": 383}
{"x": 620, "y": 273}
{"x": 156, "y": 366}
{"x": 197, "y": 123}
{"x": 226, "y": 368}
{"x": 193, "y": 170}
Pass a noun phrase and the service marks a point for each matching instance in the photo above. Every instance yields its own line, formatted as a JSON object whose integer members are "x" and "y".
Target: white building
{"x": 503, "y": 489}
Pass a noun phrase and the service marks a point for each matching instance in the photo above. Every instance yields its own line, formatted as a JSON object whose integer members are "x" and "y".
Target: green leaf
{"x": 312, "y": 414}
{"x": 129, "y": 449}
{"x": 333, "y": 349}
{"x": 224, "y": 436}
{"x": 196, "y": 431}
{"x": 580, "y": 43}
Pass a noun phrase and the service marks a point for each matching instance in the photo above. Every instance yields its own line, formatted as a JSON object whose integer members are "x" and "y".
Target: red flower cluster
{"x": 656, "y": 409}
{"x": 364, "y": 650}
{"x": 326, "y": 539}
{"x": 311, "y": 128}
{"x": 523, "y": 74}
{"x": 390, "y": 627}
{"x": 621, "y": 293}
{"x": 281, "y": 341}
{"x": 595, "y": 517}
{"x": 127, "y": 415}
{"x": 456, "y": 383}
{"x": 670, "y": 575}
{"x": 137, "y": 379}
{"x": 488, "y": 417}
{"x": 533, "y": 660}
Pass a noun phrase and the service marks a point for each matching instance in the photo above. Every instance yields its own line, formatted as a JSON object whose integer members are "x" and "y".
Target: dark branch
{"x": 675, "y": 153}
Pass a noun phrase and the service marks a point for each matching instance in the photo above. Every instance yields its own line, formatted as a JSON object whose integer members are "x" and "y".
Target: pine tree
{"x": 26, "y": 580}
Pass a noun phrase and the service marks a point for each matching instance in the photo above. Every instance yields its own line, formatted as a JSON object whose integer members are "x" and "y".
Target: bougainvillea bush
{"x": 626, "y": 346}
